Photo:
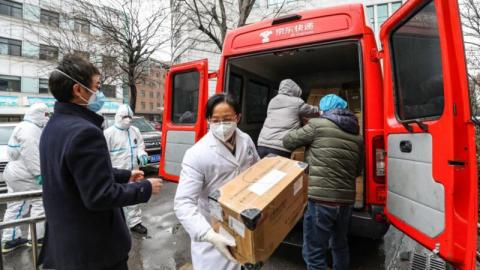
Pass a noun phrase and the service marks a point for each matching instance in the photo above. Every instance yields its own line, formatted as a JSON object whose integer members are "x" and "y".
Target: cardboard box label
{"x": 297, "y": 186}
{"x": 237, "y": 226}
{"x": 267, "y": 182}
{"x": 215, "y": 210}
{"x": 226, "y": 234}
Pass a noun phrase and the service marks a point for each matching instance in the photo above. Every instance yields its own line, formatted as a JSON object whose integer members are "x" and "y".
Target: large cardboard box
{"x": 298, "y": 154}
{"x": 316, "y": 95}
{"x": 259, "y": 207}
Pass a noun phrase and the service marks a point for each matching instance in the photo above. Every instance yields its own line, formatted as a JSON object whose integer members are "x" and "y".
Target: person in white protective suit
{"x": 22, "y": 173}
{"x": 126, "y": 145}
{"x": 223, "y": 153}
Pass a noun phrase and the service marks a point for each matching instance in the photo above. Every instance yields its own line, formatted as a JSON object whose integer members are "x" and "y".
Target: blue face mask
{"x": 96, "y": 100}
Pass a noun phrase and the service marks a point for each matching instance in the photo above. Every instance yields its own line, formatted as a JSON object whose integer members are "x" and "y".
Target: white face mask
{"x": 223, "y": 130}
{"x": 126, "y": 122}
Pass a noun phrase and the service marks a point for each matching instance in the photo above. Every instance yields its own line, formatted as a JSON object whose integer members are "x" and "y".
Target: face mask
{"x": 223, "y": 130}
{"x": 96, "y": 100}
{"x": 126, "y": 122}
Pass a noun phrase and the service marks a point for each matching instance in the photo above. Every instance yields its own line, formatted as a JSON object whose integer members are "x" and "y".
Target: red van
{"x": 420, "y": 170}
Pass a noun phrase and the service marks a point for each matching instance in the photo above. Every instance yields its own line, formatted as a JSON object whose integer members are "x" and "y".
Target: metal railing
{"x": 31, "y": 221}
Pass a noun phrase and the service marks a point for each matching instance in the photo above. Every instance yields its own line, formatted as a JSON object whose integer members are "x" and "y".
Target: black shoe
{"x": 139, "y": 228}
{"x": 39, "y": 243}
{"x": 13, "y": 244}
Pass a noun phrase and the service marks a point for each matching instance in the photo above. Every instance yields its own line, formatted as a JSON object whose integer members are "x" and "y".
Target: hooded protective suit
{"x": 125, "y": 143}
{"x": 283, "y": 115}
{"x": 22, "y": 172}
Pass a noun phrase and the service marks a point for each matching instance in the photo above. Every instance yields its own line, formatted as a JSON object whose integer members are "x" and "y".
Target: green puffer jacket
{"x": 334, "y": 152}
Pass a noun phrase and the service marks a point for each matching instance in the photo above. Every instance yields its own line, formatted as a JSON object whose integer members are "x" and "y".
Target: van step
{"x": 427, "y": 261}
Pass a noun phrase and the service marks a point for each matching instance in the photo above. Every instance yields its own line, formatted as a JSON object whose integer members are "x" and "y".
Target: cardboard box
{"x": 259, "y": 207}
{"x": 298, "y": 154}
{"x": 359, "y": 192}
{"x": 352, "y": 96}
{"x": 316, "y": 95}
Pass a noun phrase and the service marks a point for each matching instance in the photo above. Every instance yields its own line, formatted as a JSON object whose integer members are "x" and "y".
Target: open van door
{"x": 431, "y": 152}
{"x": 184, "y": 123}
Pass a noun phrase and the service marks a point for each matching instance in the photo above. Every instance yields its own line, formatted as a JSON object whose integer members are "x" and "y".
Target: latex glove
{"x": 143, "y": 160}
{"x": 39, "y": 179}
{"x": 220, "y": 242}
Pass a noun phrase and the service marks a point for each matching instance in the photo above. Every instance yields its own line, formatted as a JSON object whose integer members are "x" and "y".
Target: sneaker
{"x": 11, "y": 245}
{"x": 39, "y": 243}
{"x": 139, "y": 228}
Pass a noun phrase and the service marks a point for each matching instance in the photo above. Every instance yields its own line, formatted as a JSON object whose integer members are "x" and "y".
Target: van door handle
{"x": 406, "y": 146}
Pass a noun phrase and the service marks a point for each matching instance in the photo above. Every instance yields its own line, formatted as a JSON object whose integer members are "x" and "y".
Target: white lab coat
{"x": 206, "y": 167}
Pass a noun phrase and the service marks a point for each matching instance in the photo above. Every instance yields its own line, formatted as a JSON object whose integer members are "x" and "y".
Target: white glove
{"x": 220, "y": 242}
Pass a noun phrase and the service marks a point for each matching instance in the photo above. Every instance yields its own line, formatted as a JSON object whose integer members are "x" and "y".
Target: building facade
{"x": 150, "y": 91}
{"x": 26, "y": 60}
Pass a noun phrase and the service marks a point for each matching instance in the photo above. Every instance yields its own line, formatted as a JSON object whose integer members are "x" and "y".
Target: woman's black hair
{"x": 220, "y": 98}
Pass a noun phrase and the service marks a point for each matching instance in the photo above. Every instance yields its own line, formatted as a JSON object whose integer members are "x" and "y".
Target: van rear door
{"x": 184, "y": 123}
{"x": 429, "y": 135}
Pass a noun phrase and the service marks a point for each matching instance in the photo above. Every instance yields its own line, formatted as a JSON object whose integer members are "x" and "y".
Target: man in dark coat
{"x": 83, "y": 195}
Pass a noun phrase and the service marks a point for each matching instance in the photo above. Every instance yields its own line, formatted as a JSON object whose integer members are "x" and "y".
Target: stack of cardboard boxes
{"x": 351, "y": 93}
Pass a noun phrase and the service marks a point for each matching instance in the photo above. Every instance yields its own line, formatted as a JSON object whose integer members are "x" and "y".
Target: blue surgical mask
{"x": 96, "y": 100}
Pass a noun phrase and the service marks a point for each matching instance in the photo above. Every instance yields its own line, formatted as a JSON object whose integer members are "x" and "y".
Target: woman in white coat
{"x": 223, "y": 153}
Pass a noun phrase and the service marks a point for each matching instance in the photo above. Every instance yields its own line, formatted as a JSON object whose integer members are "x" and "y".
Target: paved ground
{"x": 167, "y": 247}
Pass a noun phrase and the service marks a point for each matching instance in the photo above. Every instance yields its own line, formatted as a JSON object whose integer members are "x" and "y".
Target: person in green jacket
{"x": 334, "y": 152}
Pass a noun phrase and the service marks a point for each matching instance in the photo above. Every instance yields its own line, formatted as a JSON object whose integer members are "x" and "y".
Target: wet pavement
{"x": 167, "y": 246}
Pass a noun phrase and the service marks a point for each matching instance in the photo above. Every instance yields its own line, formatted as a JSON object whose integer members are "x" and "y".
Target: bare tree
{"x": 214, "y": 18}
{"x": 470, "y": 15}
{"x": 122, "y": 35}
{"x": 128, "y": 33}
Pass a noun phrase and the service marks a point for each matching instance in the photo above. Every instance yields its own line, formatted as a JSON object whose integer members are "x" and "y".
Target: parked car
{"x": 157, "y": 125}
{"x": 6, "y": 130}
{"x": 151, "y": 137}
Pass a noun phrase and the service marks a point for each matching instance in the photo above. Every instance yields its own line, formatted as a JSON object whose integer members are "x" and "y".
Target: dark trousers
{"x": 264, "y": 151}
{"x": 324, "y": 226}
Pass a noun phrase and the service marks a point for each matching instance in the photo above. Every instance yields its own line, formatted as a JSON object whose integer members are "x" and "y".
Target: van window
{"x": 235, "y": 88}
{"x": 256, "y": 108}
{"x": 185, "y": 97}
{"x": 417, "y": 66}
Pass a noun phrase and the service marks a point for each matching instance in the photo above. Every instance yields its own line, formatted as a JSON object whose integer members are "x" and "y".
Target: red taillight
{"x": 379, "y": 162}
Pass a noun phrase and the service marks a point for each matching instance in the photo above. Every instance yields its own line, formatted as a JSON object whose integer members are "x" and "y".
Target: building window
{"x": 43, "y": 86}
{"x": 10, "y": 47}
{"x": 371, "y": 17}
{"x": 83, "y": 54}
{"x": 158, "y": 106}
{"x": 10, "y": 83}
{"x": 50, "y": 18}
{"x": 109, "y": 90}
{"x": 142, "y": 93}
{"x": 82, "y": 26}
{"x": 10, "y": 8}
{"x": 48, "y": 52}
{"x": 143, "y": 105}
{"x": 382, "y": 13}
{"x": 151, "y": 94}
{"x": 151, "y": 106}
{"x": 395, "y": 6}
{"x": 274, "y": 3}
{"x": 158, "y": 94}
